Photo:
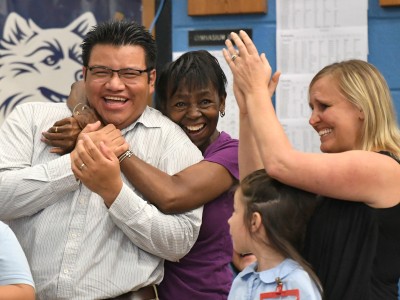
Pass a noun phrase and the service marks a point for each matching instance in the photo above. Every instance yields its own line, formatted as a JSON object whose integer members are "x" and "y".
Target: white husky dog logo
{"x": 39, "y": 64}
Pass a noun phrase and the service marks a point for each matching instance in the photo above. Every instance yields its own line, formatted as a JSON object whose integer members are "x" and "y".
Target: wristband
{"x": 124, "y": 155}
{"x": 75, "y": 112}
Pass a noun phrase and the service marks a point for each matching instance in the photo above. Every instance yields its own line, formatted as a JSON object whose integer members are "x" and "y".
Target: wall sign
{"x": 212, "y": 37}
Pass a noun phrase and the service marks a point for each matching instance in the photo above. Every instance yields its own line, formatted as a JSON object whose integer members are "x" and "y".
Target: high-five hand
{"x": 251, "y": 71}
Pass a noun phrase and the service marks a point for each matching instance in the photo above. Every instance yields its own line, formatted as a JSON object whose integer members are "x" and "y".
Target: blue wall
{"x": 383, "y": 31}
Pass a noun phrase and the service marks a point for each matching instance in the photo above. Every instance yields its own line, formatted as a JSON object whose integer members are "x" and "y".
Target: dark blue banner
{"x": 40, "y": 54}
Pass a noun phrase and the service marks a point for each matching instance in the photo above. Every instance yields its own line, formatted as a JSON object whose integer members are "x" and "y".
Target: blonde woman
{"x": 353, "y": 240}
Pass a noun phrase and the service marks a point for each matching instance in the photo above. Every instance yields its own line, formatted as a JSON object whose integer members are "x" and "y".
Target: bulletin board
{"x": 224, "y": 7}
{"x": 389, "y": 2}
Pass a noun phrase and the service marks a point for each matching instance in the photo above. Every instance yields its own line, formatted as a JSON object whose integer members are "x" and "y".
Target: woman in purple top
{"x": 191, "y": 92}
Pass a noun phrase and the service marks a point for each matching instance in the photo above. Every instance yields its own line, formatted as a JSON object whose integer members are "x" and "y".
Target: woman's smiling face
{"x": 196, "y": 111}
{"x": 337, "y": 121}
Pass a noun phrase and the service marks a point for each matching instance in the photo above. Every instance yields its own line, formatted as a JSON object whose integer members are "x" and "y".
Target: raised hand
{"x": 251, "y": 71}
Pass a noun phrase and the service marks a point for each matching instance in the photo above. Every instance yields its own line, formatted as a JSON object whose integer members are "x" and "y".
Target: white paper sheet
{"x": 310, "y": 35}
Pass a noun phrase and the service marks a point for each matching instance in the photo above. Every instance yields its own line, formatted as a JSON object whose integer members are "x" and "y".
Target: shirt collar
{"x": 148, "y": 118}
{"x": 268, "y": 276}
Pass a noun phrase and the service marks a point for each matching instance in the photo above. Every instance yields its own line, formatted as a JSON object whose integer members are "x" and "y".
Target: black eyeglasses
{"x": 103, "y": 74}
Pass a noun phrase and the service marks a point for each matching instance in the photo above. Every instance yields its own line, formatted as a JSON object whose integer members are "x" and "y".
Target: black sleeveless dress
{"x": 355, "y": 250}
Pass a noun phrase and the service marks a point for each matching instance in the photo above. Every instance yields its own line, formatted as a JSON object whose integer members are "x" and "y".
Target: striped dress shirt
{"x": 76, "y": 247}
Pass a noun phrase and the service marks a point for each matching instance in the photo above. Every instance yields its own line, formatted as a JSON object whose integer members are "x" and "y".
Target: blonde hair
{"x": 364, "y": 86}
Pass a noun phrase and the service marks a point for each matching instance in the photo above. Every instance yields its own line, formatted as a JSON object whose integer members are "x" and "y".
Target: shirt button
{"x": 66, "y": 271}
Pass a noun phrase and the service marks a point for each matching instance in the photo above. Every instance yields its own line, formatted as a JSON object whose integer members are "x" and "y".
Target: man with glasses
{"x": 86, "y": 232}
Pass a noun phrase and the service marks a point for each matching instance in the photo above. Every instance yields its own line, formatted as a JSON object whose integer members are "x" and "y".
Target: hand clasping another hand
{"x": 98, "y": 168}
{"x": 62, "y": 136}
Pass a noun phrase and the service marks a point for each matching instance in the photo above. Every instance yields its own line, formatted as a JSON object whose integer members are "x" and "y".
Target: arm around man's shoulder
{"x": 164, "y": 145}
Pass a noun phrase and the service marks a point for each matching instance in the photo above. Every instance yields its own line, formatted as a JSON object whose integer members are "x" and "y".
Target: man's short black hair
{"x": 120, "y": 33}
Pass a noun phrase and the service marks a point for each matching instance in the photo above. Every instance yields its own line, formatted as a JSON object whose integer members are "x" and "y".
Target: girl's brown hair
{"x": 285, "y": 212}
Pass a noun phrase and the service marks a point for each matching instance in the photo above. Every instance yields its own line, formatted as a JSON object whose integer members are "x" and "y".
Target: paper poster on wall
{"x": 310, "y": 35}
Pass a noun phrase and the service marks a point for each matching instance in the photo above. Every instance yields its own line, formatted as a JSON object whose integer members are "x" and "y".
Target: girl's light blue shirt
{"x": 14, "y": 268}
{"x": 249, "y": 284}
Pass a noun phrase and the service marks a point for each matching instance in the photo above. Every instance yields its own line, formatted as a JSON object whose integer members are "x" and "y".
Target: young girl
{"x": 269, "y": 220}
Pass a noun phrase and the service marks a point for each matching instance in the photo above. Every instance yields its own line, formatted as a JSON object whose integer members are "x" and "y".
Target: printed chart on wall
{"x": 310, "y": 35}
{"x": 230, "y": 122}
